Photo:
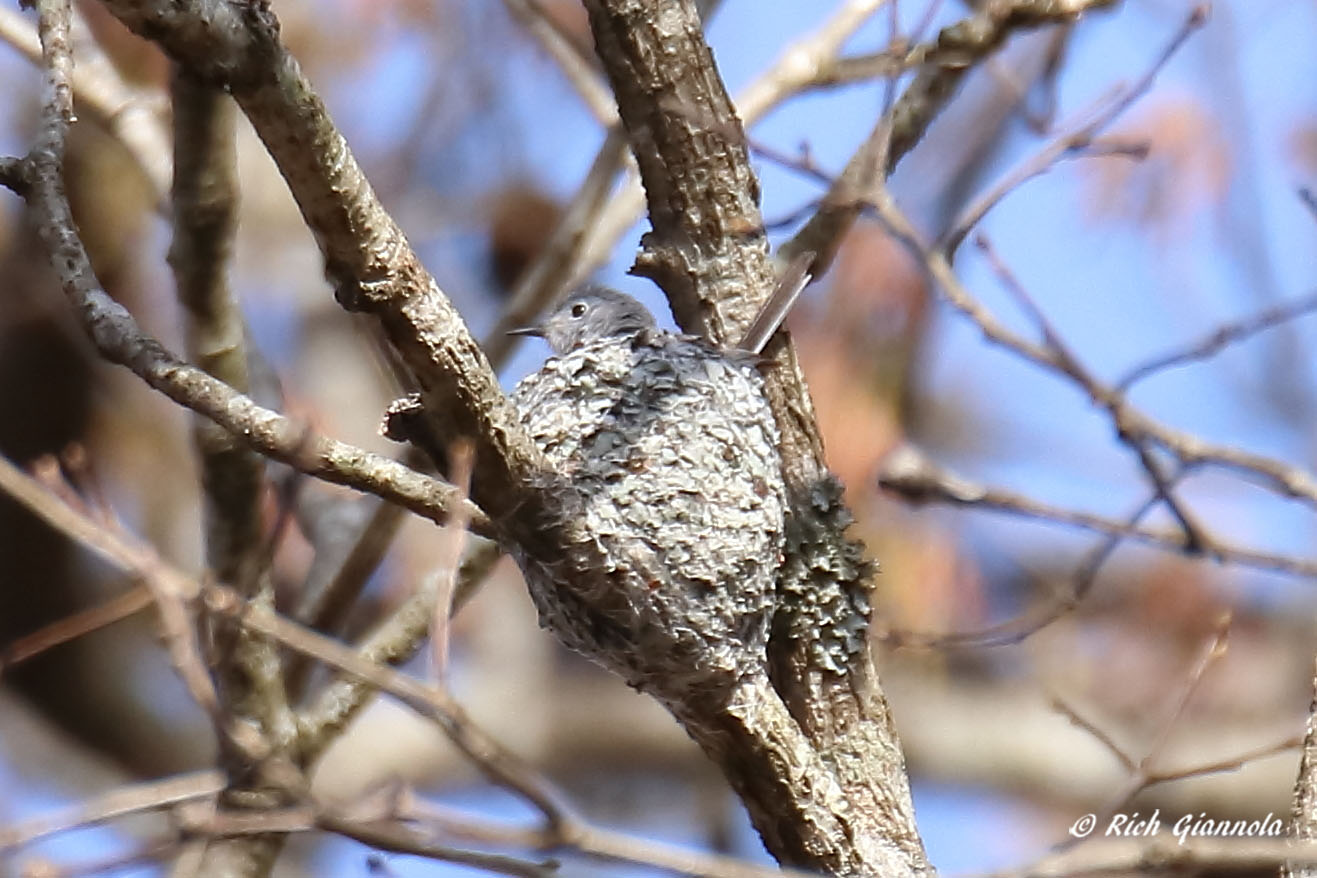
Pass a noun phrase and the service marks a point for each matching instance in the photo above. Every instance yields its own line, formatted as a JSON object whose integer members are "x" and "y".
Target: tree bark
{"x": 813, "y": 754}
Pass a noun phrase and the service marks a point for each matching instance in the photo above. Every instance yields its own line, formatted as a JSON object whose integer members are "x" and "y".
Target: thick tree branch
{"x": 367, "y": 257}
{"x": 707, "y": 249}
{"x": 120, "y": 340}
{"x": 794, "y": 71}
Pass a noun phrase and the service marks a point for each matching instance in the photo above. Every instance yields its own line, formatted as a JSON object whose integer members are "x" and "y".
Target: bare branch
{"x": 1220, "y": 766}
{"x": 174, "y": 588}
{"x": 1080, "y": 141}
{"x": 1131, "y": 424}
{"x": 953, "y": 54}
{"x": 404, "y": 840}
{"x": 120, "y": 802}
{"x": 1219, "y": 339}
{"x": 1197, "y": 537}
{"x": 590, "y": 840}
{"x": 690, "y": 147}
{"x": 120, "y": 341}
{"x": 916, "y": 478}
{"x": 367, "y": 257}
{"x": 170, "y": 596}
{"x": 72, "y": 627}
{"x": 793, "y": 71}
{"x": 1076, "y": 719}
{"x": 123, "y": 110}
{"x": 571, "y": 59}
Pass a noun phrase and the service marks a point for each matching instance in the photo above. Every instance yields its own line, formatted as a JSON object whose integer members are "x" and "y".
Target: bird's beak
{"x": 533, "y": 331}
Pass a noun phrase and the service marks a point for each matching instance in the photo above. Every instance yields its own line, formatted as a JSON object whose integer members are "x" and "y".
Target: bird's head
{"x": 590, "y": 314}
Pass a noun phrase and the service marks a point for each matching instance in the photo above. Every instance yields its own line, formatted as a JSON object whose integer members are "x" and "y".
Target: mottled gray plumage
{"x": 667, "y": 457}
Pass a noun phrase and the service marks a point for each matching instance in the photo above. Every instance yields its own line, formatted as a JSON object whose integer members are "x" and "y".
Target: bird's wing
{"x": 770, "y": 317}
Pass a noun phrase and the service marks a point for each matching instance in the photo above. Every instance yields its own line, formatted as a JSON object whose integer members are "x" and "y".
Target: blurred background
{"x": 475, "y": 142}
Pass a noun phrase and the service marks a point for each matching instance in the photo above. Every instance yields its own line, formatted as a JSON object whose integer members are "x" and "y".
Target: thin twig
{"x": 1220, "y": 338}
{"x": 123, "y": 110}
{"x": 1098, "y": 734}
{"x": 1197, "y": 537}
{"x": 1079, "y": 141}
{"x": 583, "y": 75}
{"x": 912, "y": 475}
{"x": 1130, "y": 423}
{"x": 802, "y": 164}
{"x": 74, "y": 626}
{"x": 1141, "y": 775}
{"x": 386, "y": 835}
{"x": 1220, "y": 766}
{"x": 405, "y": 840}
{"x": 120, "y": 802}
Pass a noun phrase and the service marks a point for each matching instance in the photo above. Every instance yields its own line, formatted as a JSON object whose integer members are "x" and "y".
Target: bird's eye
{"x": 578, "y": 310}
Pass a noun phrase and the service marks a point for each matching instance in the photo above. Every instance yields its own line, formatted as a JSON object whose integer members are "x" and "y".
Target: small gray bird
{"x": 591, "y": 313}
{"x": 667, "y": 461}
